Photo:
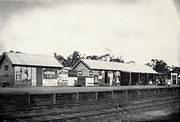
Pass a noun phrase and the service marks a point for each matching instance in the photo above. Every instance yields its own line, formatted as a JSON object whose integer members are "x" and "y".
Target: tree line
{"x": 75, "y": 56}
{"x": 157, "y": 64}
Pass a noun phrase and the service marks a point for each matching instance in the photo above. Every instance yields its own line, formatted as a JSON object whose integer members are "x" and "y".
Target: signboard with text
{"x": 49, "y": 73}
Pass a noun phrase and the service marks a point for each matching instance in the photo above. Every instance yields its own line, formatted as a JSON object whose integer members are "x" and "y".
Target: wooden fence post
{"x": 126, "y": 93}
{"x": 112, "y": 95}
{"x": 54, "y": 98}
{"x": 149, "y": 92}
{"x": 77, "y": 97}
{"x": 138, "y": 93}
{"x": 158, "y": 91}
{"x": 96, "y": 95}
{"x": 28, "y": 99}
{"x": 174, "y": 91}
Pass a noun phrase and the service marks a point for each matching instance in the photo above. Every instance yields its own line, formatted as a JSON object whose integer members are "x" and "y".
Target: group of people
{"x": 158, "y": 81}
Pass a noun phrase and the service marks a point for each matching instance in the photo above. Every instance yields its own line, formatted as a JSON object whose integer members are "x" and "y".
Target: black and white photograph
{"x": 89, "y": 60}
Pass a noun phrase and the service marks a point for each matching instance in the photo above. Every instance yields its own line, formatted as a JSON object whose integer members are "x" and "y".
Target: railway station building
{"x": 103, "y": 73}
{"x": 20, "y": 69}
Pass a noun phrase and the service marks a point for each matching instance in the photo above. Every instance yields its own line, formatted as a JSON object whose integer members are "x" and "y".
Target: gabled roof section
{"x": 104, "y": 65}
{"x": 32, "y": 60}
{"x": 81, "y": 60}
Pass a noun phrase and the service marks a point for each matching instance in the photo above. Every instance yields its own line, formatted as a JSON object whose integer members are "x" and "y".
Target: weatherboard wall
{"x": 6, "y": 76}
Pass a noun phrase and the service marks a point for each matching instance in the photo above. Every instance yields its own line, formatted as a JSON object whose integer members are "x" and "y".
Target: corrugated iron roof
{"x": 32, "y": 60}
{"x": 104, "y": 65}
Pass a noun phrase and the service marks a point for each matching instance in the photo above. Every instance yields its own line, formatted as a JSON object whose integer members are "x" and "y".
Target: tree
{"x": 131, "y": 62}
{"x": 94, "y": 57}
{"x": 118, "y": 59}
{"x": 75, "y": 57}
{"x": 72, "y": 59}
{"x": 60, "y": 58}
{"x": 68, "y": 61}
{"x": 176, "y": 69}
{"x": 159, "y": 65}
{"x": 105, "y": 57}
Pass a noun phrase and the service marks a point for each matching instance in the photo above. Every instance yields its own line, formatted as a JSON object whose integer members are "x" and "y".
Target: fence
{"x": 87, "y": 97}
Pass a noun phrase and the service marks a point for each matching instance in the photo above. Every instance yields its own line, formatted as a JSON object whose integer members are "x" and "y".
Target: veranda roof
{"x": 104, "y": 65}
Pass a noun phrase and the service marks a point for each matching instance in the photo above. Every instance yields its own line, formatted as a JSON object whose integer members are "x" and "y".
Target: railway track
{"x": 102, "y": 107}
{"x": 106, "y": 111}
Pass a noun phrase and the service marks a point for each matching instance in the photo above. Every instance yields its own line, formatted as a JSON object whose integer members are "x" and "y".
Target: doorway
{"x": 39, "y": 77}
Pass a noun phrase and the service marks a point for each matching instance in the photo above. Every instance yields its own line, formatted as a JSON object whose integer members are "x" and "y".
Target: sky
{"x": 137, "y": 30}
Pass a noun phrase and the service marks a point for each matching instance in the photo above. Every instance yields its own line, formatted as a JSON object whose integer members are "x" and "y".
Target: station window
{"x": 95, "y": 79}
{"x": 90, "y": 73}
{"x": 6, "y": 68}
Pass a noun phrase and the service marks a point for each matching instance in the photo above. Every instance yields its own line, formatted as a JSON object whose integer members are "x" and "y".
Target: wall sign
{"x": 49, "y": 73}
